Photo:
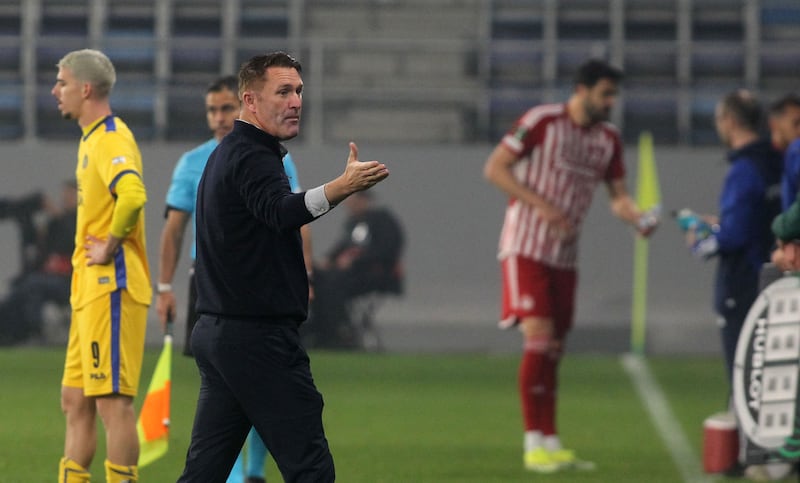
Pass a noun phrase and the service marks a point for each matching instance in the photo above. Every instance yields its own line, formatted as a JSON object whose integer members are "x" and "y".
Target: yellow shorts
{"x": 106, "y": 345}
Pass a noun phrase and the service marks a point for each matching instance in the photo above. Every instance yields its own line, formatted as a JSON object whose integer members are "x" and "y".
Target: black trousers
{"x": 254, "y": 373}
{"x": 191, "y": 315}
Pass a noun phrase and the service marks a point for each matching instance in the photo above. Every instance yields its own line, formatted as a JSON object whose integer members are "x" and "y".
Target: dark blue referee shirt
{"x": 249, "y": 251}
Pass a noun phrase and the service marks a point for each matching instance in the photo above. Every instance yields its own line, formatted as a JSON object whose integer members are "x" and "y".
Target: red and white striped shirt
{"x": 563, "y": 163}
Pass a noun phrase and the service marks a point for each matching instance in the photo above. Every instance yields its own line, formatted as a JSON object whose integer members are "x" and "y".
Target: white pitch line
{"x": 664, "y": 420}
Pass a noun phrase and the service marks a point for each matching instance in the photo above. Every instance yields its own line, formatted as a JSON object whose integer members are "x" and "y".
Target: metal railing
{"x": 681, "y": 50}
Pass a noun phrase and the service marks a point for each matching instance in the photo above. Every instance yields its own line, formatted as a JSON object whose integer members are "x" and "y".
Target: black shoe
{"x": 255, "y": 479}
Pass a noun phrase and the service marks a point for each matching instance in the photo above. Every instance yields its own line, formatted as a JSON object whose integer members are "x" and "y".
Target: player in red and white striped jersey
{"x": 549, "y": 165}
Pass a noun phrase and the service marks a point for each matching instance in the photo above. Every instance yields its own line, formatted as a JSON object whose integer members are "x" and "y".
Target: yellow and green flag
{"x": 648, "y": 197}
{"x": 153, "y": 423}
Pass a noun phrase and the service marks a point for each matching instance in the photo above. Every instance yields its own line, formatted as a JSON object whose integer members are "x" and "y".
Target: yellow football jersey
{"x": 107, "y": 152}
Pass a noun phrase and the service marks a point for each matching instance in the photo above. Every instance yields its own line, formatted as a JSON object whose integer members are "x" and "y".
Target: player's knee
{"x": 71, "y": 399}
{"x": 115, "y": 408}
{"x": 536, "y": 327}
{"x": 538, "y": 335}
{"x": 75, "y": 405}
{"x": 556, "y": 348}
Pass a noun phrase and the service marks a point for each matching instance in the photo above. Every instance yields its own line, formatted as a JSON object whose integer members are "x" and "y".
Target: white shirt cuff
{"x": 316, "y": 202}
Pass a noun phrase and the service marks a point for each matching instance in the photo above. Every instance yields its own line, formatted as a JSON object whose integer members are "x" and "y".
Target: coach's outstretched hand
{"x": 357, "y": 176}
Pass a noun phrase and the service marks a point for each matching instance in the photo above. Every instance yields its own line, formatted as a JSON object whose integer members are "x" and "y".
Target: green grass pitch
{"x": 402, "y": 418}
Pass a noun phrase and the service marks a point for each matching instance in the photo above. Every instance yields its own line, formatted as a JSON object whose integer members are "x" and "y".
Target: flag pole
{"x": 648, "y": 197}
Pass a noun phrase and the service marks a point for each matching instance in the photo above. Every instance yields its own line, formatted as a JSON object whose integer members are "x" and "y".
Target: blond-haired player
{"x": 110, "y": 284}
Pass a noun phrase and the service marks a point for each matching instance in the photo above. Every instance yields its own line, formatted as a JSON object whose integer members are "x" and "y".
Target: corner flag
{"x": 648, "y": 197}
{"x": 153, "y": 423}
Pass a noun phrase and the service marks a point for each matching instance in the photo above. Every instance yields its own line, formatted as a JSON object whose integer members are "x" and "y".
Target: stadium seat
{"x": 134, "y": 102}
{"x": 651, "y": 109}
{"x": 11, "y": 110}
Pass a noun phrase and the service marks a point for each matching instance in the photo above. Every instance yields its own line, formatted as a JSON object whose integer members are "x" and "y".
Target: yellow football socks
{"x": 71, "y": 472}
{"x": 121, "y": 473}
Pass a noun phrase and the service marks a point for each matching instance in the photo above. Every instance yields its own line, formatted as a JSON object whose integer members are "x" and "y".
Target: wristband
{"x": 163, "y": 287}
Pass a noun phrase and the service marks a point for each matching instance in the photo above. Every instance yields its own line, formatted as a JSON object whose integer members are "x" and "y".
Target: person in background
{"x": 252, "y": 286}
{"x": 47, "y": 279}
{"x": 23, "y": 210}
{"x": 111, "y": 288}
{"x": 549, "y": 164}
{"x": 222, "y": 107}
{"x": 786, "y": 228}
{"x": 784, "y": 125}
{"x": 740, "y": 238}
{"x": 365, "y": 259}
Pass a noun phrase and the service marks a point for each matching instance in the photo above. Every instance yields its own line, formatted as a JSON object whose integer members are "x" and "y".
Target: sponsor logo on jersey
{"x": 85, "y": 161}
{"x": 118, "y": 160}
{"x": 521, "y": 132}
{"x": 97, "y": 376}
{"x": 527, "y": 302}
{"x": 103, "y": 280}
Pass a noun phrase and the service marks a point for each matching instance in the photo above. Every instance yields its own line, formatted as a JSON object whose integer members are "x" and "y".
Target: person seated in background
{"x": 366, "y": 259}
{"x": 47, "y": 266}
{"x": 23, "y": 211}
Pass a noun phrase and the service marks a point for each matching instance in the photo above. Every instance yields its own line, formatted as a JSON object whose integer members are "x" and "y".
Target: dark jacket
{"x": 375, "y": 241}
{"x": 249, "y": 252}
{"x": 749, "y": 202}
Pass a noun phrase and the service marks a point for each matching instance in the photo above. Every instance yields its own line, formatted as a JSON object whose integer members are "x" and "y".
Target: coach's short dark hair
{"x": 778, "y": 107}
{"x": 591, "y": 71}
{"x": 229, "y": 82}
{"x": 251, "y": 74}
{"x": 745, "y": 108}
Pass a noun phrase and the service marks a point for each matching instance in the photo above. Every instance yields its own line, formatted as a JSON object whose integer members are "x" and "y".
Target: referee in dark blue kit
{"x": 252, "y": 286}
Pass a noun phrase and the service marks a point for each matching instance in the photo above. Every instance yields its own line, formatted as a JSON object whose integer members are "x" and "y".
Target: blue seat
{"x": 715, "y": 60}
{"x": 132, "y": 50}
{"x": 190, "y": 60}
{"x": 780, "y": 15}
{"x": 515, "y": 64}
{"x": 134, "y": 102}
{"x": 11, "y": 110}
{"x": 186, "y": 119}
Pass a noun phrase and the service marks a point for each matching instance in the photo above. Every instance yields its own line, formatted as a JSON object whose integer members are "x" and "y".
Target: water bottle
{"x": 650, "y": 218}
{"x": 688, "y": 220}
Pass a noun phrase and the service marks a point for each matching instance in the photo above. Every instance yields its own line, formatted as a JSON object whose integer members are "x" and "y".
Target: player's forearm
{"x": 169, "y": 255}
{"x": 625, "y": 209}
{"x": 786, "y": 226}
{"x": 171, "y": 243}
{"x": 113, "y": 244}
{"x": 131, "y": 198}
{"x": 505, "y": 181}
{"x": 498, "y": 171}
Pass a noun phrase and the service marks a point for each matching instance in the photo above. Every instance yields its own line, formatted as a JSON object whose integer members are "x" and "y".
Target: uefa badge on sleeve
{"x": 765, "y": 374}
